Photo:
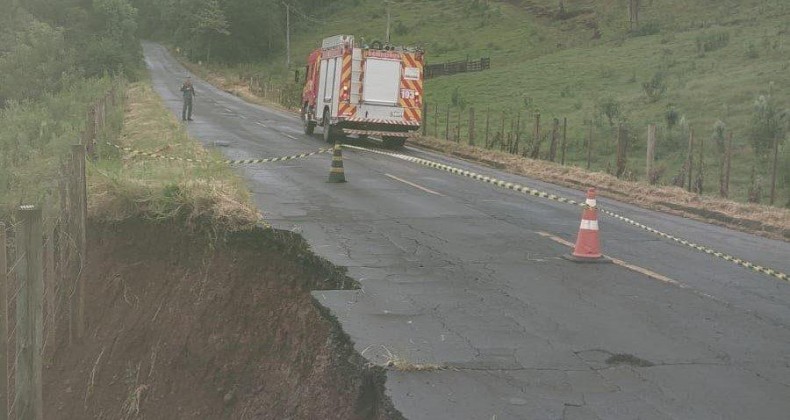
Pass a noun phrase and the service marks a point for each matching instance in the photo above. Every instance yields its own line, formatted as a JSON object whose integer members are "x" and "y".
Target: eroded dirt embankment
{"x": 180, "y": 325}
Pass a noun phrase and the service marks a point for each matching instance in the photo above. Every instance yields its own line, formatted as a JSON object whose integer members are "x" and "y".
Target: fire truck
{"x": 363, "y": 90}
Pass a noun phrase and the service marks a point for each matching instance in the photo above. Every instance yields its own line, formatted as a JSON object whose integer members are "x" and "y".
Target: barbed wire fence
{"x": 621, "y": 149}
{"x": 42, "y": 260}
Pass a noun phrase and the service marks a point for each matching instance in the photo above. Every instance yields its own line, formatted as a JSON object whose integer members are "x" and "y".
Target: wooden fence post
{"x": 554, "y": 137}
{"x": 64, "y": 243}
{"x": 537, "y": 141}
{"x": 458, "y": 127}
{"x": 103, "y": 118}
{"x": 622, "y": 151}
{"x": 5, "y": 325}
{"x": 510, "y": 136}
{"x": 436, "y": 121}
{"x": 651, "y": 153}
{"x": 690, "y": 160}
{"x": 589, "y": 146}
{"x": 502, "y": 132}
{"x": 471, "y": 126}
{"x": 79, "y": 209}
{"x": 726, "y": 188}
{"x": 517, "y": 134}
{"x": 49, "y": 285}
{"x": 488, "y": 114}
{"x": 701, "y": 168}
{"x": 633, "y": 13}
{"x": 425, "y": 118}
{"x": 773, "y": 171}
{"x": 29, "y": 308}
{"x": 564, "y": 139}
{"x": 447, "y": 124}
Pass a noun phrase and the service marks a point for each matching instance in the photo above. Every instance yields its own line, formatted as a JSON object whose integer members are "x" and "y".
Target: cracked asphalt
{"x": 457, "y": 274}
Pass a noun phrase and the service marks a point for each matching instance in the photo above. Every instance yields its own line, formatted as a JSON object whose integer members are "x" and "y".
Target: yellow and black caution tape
{"x": 509, "y": 185}
{"x": 229, "y": 162}
{"x": 531, "y": 191}
{"x": 745, "y": 264}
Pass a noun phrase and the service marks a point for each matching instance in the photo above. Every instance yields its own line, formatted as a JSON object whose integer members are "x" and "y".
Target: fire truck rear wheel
{"x": 309, "y": 126}
{"x": 329, "y": 134}
{"x": 394, "y": 142}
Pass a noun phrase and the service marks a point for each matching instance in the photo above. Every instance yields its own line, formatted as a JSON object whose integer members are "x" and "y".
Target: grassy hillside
{"x": 706, "y": 61}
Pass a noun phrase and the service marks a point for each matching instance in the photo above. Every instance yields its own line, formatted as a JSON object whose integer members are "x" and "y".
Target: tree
{"x": 35, "y": 64}
{"x": 209, "y": 22}
{"x": 769, "y": 125}
{"x": 610, "y": 108}
{"x": 113, "y": 46}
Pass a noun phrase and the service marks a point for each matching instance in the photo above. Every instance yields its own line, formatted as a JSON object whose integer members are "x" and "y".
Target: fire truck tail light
{"x": 344, "y": 95}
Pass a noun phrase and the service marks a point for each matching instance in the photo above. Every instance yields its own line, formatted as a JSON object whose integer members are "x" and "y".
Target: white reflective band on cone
{"x": 590, "y": 202}
{"x": 589, "y": 225}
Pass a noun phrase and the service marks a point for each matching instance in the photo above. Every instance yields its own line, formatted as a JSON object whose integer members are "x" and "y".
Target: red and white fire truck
{"x": 363, "y": 90}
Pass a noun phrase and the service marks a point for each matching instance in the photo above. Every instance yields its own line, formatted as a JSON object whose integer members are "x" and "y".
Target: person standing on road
{"x": 189, "y": 92}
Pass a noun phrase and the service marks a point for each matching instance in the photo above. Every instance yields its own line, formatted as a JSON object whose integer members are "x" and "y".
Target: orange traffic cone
{"x": 588, "y": 244}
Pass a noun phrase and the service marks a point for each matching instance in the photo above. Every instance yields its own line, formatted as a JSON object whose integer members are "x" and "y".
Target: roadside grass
{"x": 123, "y": 187}
{"x": 36, "y": 138}
{"x": 722, "y": 85}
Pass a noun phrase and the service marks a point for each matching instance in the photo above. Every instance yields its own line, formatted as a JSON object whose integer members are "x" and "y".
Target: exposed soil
{"x": 183, "y": 325}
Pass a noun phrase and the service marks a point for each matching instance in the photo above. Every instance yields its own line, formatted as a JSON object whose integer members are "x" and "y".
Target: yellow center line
{"x": 636, "y": 268}
{"x": 415, "y": 185}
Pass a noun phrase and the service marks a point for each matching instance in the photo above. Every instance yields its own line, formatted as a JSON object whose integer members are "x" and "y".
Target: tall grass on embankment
{"x": 122, "y": 186}
{"x": 36, "y": 137}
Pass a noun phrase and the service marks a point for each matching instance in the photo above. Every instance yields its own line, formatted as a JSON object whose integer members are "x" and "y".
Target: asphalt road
{"x": 465, "y": 275}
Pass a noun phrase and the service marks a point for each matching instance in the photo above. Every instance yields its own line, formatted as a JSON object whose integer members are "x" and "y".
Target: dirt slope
{"x": 181, "y": 326}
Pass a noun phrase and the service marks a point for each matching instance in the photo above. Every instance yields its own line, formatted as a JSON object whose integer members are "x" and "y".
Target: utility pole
{"x": 388, "y": 21}
{"x": 773, "y": 171}
{"x": 287, "y": 35}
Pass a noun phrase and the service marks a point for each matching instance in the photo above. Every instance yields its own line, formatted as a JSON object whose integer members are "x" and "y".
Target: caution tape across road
{"x": 229, "y": 161}
{"x": 745, "y": 264}
{"x": 537, "y": 193}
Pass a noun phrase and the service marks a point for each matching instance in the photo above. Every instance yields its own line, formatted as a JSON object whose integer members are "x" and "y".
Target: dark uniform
{"x": 189, "y": 92}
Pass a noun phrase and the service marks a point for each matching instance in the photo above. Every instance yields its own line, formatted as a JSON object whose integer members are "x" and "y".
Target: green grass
{"x": 123, "y": 187}
{"x": 714, "y": 58}
{"x": 36, "y": 138}
{"x": 570, "y": 83}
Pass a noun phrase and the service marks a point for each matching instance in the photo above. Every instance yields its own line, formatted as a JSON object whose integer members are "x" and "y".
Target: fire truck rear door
{"x": 382, "y": 81}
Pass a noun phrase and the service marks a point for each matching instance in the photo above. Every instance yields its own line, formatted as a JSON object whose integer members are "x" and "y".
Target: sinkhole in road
{"x": 195, "y": 324}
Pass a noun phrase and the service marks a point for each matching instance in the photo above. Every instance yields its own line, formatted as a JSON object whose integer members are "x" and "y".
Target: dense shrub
{"x": 655, "y": 87}
{"x": 646, "y": 29}
{"x": 712, "y": 41}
